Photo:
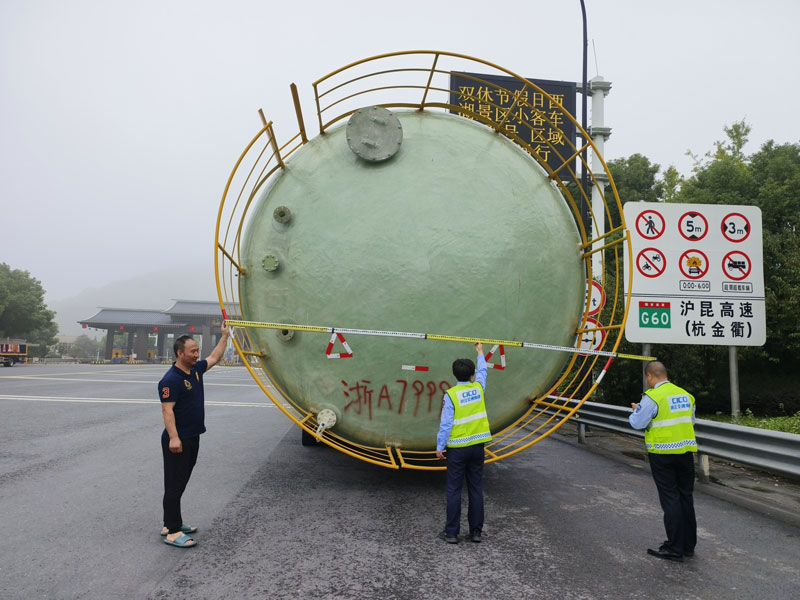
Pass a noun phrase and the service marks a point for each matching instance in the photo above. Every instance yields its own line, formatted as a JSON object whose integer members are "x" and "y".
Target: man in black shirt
{"x": 182, "y": 406}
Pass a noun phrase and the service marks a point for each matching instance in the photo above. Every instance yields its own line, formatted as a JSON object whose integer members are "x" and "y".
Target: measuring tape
{"x": 429, "y": 336}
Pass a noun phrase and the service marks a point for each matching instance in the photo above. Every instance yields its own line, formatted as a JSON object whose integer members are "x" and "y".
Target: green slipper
{"x": 184, "y": 529}
{"x": 182, "y": 541}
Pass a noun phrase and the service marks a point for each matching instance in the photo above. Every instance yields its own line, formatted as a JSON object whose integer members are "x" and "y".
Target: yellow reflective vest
{"x": 470, "y": 423}
{"x": 671, "y": 431}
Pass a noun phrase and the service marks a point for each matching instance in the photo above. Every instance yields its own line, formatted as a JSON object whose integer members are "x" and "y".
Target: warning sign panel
{"x": 697, "y": 274}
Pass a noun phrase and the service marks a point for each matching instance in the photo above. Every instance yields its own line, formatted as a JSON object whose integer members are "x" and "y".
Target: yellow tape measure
{"x": 434, "y": 336}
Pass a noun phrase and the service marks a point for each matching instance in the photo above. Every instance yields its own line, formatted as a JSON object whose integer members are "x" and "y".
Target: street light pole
{"x": 585, "y": 165}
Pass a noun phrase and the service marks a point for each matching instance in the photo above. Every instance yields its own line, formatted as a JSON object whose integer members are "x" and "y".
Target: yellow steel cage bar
{"x": 377, "y": 77}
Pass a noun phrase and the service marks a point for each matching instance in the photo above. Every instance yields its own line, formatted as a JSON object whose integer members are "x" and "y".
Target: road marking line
{"x": 139, "y": 381}
{"x": 121, "y": 401}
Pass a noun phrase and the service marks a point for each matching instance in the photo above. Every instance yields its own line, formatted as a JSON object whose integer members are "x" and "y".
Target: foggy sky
{"x": 121, "y": 121}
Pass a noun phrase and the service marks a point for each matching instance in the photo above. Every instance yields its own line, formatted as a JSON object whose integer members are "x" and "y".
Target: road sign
{"x": 654, "y": 314}
{"x": 592, "y": 340}
{"x": 736, "y": 265}
{"x": 650, "y": 224}
{"x": 693, "y": 264}
{"x": 597, "y": 298}
{"x": 651, "y": 262}
{"x": 697, "y": 274}
{"x": 735, "y": 227}
{"x": 693, "y": 226}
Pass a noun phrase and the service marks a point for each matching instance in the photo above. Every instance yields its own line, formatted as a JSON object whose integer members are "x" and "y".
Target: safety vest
{"x": 470, "y": 424}
{"x": 671, "y": 430}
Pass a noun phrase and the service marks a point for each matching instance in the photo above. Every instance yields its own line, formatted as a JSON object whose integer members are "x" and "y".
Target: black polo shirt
{"x": 186, "y": 391}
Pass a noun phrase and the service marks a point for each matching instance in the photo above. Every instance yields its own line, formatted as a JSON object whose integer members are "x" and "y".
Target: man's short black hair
{"x": 463, "y": 369}
{"x": 656, "y": 369}
{"x": 180, "y": 343}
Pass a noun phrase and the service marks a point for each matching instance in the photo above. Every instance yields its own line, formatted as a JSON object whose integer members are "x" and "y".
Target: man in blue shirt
{"x": 182, "y": 406}
{"x": 464, "y": 436}
{"x": 667, "y": 414}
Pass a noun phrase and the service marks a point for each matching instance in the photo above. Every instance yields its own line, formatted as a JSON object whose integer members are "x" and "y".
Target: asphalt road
{"x": 81, "y": 484}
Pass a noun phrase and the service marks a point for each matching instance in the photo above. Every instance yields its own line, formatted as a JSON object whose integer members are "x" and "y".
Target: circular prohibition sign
{"x": 596, "y": 299}
{"x": 735, "y": 227}
{"x": 693, "y": 264}
{"x": 734, "y": 262}
{"x": 693, "y": 226}
{"x": 652, "y": 222}
{"x": 651, "y": 262}
{"x": 592, "y": 340}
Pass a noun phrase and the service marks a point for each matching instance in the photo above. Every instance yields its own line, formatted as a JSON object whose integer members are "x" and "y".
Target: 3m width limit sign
{"x": 698, "y": 275}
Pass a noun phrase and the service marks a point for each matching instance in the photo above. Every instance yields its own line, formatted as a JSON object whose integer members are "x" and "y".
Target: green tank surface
{"x": 410, "y": 221}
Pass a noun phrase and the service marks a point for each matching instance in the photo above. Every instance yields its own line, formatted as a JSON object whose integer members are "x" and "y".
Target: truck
{"x": 12, "y": 352}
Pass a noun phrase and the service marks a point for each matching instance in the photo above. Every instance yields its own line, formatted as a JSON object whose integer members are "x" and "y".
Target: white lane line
{"x": 139, "y": 381}
{"x": 220, "y": 371}
{"x": 104, "y": 372}
{"x": 122, "y": 401}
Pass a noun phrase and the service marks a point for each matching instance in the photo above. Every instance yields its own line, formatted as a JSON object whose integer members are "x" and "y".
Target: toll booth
{"x": 131, "y": 331}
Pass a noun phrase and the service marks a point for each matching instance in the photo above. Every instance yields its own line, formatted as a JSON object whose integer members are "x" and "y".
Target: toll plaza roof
{"x": 182, "y": 314}
{"x": 197, "y": 308}
{"x": 114, "y": 317}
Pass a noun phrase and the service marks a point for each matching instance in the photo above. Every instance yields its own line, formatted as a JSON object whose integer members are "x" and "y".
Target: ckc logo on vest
{"x": 469, "y": 396}
{"x": 654, "y": 314}
{"x": 678, "y": 403}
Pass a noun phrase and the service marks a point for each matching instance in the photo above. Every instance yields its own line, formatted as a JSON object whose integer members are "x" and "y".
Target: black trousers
{"x": 177, "y": 471}
{"x": 464, "y": 462}
{"x": 674, "y": 477}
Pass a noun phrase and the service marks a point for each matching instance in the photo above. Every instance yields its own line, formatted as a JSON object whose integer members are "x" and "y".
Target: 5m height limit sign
{"x": 698, "y": 274}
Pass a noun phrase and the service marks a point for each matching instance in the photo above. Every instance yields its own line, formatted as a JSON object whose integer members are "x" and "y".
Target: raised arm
{"x": 219, "y": 349}
{"x": 482, "y": 369}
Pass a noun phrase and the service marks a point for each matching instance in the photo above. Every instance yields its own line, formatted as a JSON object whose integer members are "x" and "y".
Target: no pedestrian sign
{"x": 650, "y": 224}
{"x": 697, "y": 274}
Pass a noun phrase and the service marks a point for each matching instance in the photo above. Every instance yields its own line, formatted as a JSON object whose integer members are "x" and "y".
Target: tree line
{"x": 23, "y": 312}
{"x": 770, "y": 180}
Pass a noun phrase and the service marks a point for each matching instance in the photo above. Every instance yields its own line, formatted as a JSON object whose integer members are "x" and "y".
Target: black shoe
{"x": 688, "y": 553}
{"x": 475, "y": 536}
{"x": 450, "y": 539}
{"x": 664, "y": 553}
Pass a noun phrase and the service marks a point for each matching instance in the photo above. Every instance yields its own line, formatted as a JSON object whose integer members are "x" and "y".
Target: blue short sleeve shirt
{"x": 186, "y": 391}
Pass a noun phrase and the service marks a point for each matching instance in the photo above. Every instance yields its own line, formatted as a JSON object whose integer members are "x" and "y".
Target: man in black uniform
{"x": 182, "y": 406}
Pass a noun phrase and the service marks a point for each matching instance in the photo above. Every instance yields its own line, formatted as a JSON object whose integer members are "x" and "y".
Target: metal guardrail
{"x": 773, "y": 451}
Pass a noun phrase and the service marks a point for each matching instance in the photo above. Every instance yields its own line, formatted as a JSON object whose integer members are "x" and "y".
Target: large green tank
{"x": 434, "y": 224}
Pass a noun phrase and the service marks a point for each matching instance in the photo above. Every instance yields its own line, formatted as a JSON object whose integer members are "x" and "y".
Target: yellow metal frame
{"x": 419, "y": 79}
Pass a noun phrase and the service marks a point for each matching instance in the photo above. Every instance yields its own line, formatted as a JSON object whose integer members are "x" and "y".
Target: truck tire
{"x": 308, "y": 439}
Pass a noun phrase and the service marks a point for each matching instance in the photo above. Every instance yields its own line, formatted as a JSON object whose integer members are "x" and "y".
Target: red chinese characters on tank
{"x": 404, "y": 397}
